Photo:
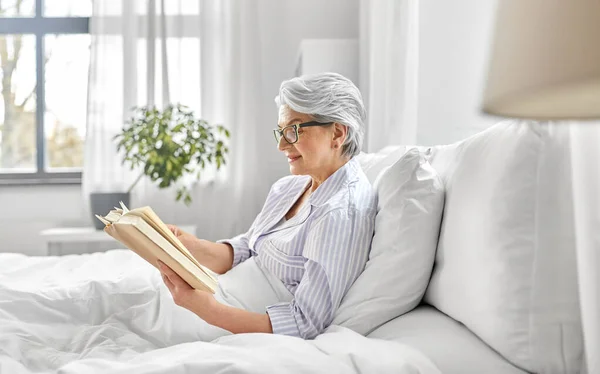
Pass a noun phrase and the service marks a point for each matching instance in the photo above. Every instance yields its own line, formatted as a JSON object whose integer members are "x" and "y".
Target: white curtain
{"x": 202, "y": 54}
{"x": 389, "y": 59}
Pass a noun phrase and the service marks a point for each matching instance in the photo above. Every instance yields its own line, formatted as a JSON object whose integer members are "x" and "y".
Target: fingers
{"x": 174, "y": 229}
{"x": 178, "y": 288}
{"x": 164, "y": 268}
{"x": 171, "y": 276}
{"x": 168, "y": 283}
{"x": 165, "y": 277}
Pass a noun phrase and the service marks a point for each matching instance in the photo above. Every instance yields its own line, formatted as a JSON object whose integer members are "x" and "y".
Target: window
{"x": 42, "y": 126}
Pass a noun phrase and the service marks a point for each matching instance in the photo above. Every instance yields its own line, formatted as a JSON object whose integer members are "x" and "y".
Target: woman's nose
{"x": 283, "y": 144}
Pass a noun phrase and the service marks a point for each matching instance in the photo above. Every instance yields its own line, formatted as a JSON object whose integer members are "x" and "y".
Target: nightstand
{"x": 77, "y": 240}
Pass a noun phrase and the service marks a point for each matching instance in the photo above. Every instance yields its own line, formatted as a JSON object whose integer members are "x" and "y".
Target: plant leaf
{"x": 171, "y": 143}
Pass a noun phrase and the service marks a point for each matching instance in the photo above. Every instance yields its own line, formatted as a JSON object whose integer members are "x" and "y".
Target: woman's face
{"x": 313, "y": 151}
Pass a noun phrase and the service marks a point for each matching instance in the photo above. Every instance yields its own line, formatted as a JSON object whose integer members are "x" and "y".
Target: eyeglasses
{"x": 290, "y": 133}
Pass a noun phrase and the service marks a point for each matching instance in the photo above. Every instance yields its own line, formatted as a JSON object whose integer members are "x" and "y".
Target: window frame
{"x": 41, "y": 26}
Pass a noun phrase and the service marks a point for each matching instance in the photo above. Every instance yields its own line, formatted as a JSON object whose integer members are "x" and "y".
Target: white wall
{"x": 454, "y": 42}
{"x": 26, "y": 210}
{"x": 283, "y": 24}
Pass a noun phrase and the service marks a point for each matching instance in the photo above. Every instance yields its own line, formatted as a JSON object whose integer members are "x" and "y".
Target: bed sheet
{"x": 110, "y": 312}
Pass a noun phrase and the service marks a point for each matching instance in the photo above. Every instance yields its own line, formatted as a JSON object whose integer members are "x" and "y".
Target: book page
{"x": 152, "y": 218}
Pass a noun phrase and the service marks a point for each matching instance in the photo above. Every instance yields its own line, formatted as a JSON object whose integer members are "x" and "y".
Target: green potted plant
{"x": 167, "y": 145}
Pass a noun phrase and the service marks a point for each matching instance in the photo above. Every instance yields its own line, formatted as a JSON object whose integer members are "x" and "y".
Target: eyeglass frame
{"x": 296, "y": 127}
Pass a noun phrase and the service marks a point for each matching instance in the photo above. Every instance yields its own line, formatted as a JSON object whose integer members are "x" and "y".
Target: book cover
{"x": 142, "y": 231}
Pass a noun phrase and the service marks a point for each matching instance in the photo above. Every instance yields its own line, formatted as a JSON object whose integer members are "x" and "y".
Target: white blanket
{"x": 110, "y": 313}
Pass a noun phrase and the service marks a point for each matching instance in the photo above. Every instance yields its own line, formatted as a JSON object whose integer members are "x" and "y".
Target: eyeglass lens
{"x": 290, "y": 134}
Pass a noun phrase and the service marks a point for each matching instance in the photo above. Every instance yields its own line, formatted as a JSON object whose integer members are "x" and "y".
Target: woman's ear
{"x": 339, "y": 134}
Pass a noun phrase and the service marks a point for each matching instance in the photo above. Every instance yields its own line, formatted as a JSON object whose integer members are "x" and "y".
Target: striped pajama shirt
{"x": 319, "y": 252}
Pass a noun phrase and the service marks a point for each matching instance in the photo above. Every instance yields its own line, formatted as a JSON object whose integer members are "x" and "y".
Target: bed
{"x": 110, "y": 313}
{"x": 498, "y": 284}
{"x": 449, "y": 344}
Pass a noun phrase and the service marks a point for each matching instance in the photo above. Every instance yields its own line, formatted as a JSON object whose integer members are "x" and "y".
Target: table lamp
{"x": 545, "y": 65}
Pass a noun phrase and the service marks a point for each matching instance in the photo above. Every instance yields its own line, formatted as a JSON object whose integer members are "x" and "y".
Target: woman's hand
{"x": 204, "y": 305}
{"x": 188, "y": 240}
{"x": 199, "y": 302}
{"x": 217, "y": 257}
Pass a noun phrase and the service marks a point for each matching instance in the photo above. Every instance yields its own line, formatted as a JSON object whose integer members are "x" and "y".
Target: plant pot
{"x": 103, "y": 202}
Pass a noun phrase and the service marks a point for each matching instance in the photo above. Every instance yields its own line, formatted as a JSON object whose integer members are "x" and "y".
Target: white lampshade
{"x": 545, "y": 61}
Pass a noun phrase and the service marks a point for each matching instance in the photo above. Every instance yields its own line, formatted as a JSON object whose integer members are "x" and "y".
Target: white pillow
{"x": 407, "y": 225}
{"x": 505, "y": 265}
{"x": 372, "y": 164}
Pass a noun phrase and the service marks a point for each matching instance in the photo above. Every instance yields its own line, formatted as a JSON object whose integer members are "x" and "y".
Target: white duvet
{"x": 110, "y": 313}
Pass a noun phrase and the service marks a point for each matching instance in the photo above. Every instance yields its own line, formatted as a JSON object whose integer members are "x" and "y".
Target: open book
{"x": 144, "y": 233}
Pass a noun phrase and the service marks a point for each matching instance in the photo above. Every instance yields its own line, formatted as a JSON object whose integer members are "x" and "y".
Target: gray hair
{"x": 328, "y": 97}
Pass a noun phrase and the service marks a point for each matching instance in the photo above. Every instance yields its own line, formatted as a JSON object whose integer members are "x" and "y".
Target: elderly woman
{"x": 315, "y": 229}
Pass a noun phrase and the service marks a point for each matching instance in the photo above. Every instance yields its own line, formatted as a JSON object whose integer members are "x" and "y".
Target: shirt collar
{"x": 339, "y": 179}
